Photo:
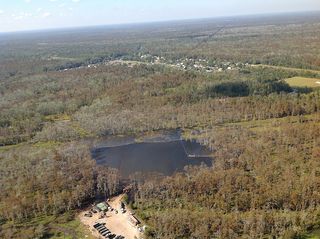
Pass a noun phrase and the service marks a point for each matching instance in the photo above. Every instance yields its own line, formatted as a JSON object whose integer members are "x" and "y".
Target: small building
{"x": 102, "y": 207}
{"x": 133, "y": 220}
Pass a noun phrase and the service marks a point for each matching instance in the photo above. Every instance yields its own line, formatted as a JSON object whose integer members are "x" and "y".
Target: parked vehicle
{"x": 100, "y": 227}
{"x": 96, "y": 225}
{"x": 94, "y": 210}
{"x": 119, "y": 237}
{"x": 107, "y": 235}
{"x": 103, "y": 230}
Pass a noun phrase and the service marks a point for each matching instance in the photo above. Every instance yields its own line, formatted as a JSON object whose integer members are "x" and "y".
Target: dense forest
{"x": 264, "y": 183}
{"x": 221, "y": 81}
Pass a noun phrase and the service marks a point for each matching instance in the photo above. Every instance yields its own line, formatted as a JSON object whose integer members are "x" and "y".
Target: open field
{"x": 303, "y": 82}
{"x": 291, "y": 69}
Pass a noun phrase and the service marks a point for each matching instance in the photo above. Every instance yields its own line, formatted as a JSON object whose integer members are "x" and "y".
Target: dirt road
{"x": 116, "y": 223}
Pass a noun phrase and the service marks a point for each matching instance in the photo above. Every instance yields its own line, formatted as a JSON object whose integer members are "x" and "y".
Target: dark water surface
{"x": 165, "y": 157}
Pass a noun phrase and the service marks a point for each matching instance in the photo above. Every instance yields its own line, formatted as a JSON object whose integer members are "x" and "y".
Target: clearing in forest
{"x": 116, "y": 221}
{"x": 303, "y": 82}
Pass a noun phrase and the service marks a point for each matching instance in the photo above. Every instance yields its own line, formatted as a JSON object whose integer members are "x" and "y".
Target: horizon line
{"x": 139, "y": 23}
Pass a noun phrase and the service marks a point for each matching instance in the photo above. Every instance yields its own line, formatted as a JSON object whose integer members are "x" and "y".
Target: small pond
{"x": 164, "y": 154}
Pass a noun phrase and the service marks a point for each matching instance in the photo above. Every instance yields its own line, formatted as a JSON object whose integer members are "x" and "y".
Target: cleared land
{"x": 303, "y": 82}
{"x": 116, "y": 223}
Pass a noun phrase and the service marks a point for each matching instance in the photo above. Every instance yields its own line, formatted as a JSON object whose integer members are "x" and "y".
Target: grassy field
{"x": 291, "y": 69}
{"x": 303, "y": 82}
{"x": 313, "y": 235}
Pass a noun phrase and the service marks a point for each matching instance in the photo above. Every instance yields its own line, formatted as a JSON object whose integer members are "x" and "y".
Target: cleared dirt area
{"x": 303, "y": 82}
{"x": 117, "y": 223}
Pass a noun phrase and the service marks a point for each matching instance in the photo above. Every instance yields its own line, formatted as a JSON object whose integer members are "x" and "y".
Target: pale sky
{"x": 16, "y": 15}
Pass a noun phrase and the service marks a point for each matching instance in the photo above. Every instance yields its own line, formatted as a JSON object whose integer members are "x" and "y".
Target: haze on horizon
{"x": 21, "y": 15}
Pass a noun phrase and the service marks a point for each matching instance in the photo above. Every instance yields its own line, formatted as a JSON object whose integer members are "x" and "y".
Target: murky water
{"x": 159, "y": 155}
